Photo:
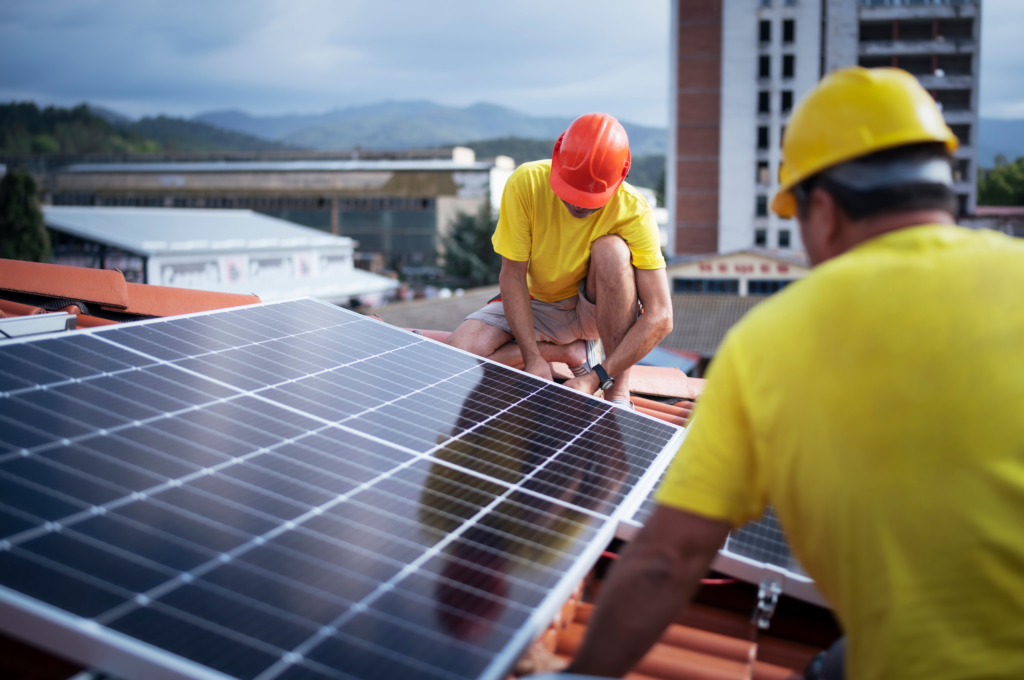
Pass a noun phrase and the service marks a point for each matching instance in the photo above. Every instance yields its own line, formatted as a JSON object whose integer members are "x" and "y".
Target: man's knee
{"x": 478, "y": 338}
{"x": 610, "y": 254}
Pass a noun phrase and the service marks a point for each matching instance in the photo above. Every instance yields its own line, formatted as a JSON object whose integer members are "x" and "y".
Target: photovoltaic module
{"x": 293, "y": 491}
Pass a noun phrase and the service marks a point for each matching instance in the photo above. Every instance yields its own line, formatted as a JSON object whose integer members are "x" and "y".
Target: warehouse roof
{"x": 160, "y": 231}
{"x": 430, "y": 164}
{"x": 701, "y": 321}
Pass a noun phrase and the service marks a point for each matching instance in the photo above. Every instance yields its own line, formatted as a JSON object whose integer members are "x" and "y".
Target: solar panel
{"x": 753, "y": 552}
{"x": 293, "y": 491}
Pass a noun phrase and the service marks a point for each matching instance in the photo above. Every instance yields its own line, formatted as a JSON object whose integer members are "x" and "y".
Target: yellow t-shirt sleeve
{"x": 644, "y": 241}
{"x": 513, "y": 237}
{"x": 715, "y": 472}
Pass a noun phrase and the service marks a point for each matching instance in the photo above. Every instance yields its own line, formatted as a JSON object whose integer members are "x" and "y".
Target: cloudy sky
{"x": 543, "y": 57}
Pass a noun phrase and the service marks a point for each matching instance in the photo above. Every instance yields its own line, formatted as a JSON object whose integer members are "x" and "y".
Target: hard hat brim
{"x": 580, "y": 199}
{"x": 784, "y": 204}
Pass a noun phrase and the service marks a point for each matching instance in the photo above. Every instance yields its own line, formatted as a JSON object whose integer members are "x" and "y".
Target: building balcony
{"x": 934, "y": 82}
{"x": 869, "y": 10}
{"x": 887, "y": 47}
{"x": 960, "y": 116}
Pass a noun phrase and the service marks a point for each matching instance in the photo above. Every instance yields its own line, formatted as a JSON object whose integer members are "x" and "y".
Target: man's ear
{"x": 821, "y": 226}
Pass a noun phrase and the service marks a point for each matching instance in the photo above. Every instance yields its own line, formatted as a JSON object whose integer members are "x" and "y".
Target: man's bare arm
{"x": 648, "y": 587}
{"x": 652, "y": 326}
{"x": 515, "y": 296}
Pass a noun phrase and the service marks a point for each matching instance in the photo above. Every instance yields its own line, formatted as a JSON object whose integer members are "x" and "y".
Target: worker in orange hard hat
{"x": 581, "y": 263}
{"x": 839, "y": 402}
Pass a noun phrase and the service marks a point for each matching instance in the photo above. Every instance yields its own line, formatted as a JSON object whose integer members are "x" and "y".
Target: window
{"x": 871, "y": 31}
{"x": 953, "y": 29}
{"x": 713, "y": 286}
{"x": 763, "y": 175}
{"x": 787, "y": 101}
{"x": 764, "y": 102}
{"x": 918, "y": 64}
{"x": 765, "y": 286}
{"x": 963, "y": 133}
{"x": 954, "y": 100}
{"x": 762, "y": 206}
{"x": 874, "y": 62}
{"x": 915, "y": 30}
{"x": 782, "y": 135}
{"x": 788, "y": 66}
{"x": 765, "y": 3}
{"x": 788, "y": 30}
{"x": 961, "y": 170}
{"x": 765, "y": 31}
{"x": 961, "y": 201}
{"x": 764, "y": 66}
{"x": 762, "y": 137}
{"x": 955, "y": 64}
{"x": 761, "y": 237}
{"x": 783, "y": 238}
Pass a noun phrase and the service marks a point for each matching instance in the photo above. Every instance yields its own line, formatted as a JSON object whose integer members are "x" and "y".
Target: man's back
{"x": 879, "y": 406}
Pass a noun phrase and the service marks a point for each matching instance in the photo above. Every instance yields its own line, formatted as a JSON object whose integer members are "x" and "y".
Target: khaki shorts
{"x": 561, "y": 322}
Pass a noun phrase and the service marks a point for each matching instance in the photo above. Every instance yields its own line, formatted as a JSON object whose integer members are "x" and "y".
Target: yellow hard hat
{"x": 855, "y": 112}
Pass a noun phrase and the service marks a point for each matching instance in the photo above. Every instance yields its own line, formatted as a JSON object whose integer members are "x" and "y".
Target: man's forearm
{"x": 648, "y": 587}
{"x": 515, "y": 296}
{"x": 641, "y": 338}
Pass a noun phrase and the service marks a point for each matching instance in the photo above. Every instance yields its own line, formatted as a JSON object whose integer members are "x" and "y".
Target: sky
{"x": 541, "y": 57}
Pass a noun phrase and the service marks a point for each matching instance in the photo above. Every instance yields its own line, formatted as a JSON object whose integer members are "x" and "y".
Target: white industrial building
{"x": 228, "y": 251}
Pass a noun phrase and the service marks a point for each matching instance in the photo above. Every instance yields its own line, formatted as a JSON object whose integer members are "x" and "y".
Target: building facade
{"x": 400, "y": 209}
{"x": 740, "y": 66}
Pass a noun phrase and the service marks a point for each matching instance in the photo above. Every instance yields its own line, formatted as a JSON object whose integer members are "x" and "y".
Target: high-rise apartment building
{"x": 738, "y": 68}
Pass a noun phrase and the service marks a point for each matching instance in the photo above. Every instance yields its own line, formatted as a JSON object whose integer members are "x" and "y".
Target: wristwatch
{"x": 606, "y": 380}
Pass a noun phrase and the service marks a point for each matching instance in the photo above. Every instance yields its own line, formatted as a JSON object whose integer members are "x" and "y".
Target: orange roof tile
{"x": 99, "y": 286}
{"x": 148, "y": 300}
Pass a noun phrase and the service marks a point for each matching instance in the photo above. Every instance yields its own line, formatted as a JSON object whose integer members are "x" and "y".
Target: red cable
{"x": 704, "y": 581}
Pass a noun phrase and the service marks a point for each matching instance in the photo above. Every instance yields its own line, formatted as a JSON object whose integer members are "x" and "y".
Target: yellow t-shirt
{"x": 534, "y": 225}
{"x": 878, "y": 405}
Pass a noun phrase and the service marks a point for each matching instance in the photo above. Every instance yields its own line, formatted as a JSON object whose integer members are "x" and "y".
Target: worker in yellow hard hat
{"x": 877, "y": 405}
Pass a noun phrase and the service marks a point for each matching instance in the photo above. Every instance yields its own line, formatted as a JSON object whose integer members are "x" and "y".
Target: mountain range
{"x": 411, "y": 124}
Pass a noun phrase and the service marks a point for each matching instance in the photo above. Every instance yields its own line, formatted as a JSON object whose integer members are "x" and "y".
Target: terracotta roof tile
{"x": 148, "y": 300}
{"x": 100, "y": 286}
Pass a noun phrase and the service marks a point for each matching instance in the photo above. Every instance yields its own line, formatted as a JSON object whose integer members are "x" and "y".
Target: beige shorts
{"x": 561, "y": 322}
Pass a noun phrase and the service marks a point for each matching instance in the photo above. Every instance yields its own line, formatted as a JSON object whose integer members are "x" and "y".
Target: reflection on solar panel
{"x": 293, "y": 491}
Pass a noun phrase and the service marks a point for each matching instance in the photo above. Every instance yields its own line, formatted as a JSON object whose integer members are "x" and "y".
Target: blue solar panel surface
{"x": 294, "y": 491}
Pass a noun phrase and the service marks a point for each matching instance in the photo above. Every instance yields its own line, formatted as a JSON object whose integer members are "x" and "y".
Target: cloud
{"x": 279, "y": 56}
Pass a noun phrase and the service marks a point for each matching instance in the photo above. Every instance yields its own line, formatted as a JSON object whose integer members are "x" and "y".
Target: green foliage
{"x": 1002, "y": 186}
{"x": 23, "y": 234}
{"x": 26, "y": 129}
{"x": 469, "y": 255}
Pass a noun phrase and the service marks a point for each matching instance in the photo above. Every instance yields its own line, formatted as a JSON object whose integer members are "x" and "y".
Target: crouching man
{"x": 581, "y": 261}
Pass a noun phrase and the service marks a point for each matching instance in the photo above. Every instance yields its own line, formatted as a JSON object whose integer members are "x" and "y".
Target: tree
{"x": 469, "y": 255}
{"x": 23, "y": 234}
{"x": 1003, "y": 185}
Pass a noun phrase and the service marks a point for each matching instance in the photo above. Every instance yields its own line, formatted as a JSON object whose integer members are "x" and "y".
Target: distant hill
{"x": 413, "y": 124}
{"x": 998, "y": 136}
{"x": 25, "y": 129}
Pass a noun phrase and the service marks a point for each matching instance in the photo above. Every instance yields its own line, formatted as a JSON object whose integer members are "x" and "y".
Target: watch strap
{"x": 602, "y": 375}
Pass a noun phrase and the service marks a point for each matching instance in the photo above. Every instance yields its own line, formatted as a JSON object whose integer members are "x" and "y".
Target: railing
{"x": 914, "y": 3}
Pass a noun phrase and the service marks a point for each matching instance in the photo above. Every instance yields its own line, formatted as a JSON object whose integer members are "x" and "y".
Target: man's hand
{"x": 538, "y": 367}
{"x": 587, "y": 384}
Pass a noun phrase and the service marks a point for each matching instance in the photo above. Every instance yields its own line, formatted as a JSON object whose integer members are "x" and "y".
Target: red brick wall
{"x": 699, "y": 79}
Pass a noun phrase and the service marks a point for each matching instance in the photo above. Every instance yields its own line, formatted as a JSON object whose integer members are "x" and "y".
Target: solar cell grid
{"x": 288, "y": 490}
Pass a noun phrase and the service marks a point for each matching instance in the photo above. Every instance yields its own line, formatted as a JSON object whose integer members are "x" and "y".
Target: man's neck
{"x": 863, "y": 230}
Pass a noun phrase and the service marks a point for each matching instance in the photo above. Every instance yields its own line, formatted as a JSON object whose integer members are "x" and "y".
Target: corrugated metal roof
{"x": 164, "y": 231}
{"x": 426, "y": 165}
{"x": 700, "y": 322}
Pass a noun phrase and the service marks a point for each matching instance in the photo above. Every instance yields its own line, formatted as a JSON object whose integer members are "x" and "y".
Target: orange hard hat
{"x": 590, "y": 161}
